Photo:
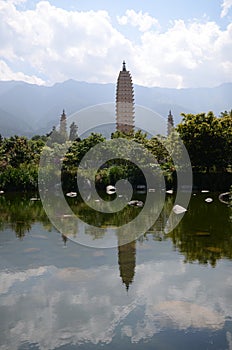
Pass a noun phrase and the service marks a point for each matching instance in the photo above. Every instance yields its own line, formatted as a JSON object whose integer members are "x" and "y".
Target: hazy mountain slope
{"x": 8, "y": 126}
{"x": 29, "y": 109}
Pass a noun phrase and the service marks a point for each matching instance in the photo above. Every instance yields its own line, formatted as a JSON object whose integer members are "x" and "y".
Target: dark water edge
{"x": 212, "y": 181}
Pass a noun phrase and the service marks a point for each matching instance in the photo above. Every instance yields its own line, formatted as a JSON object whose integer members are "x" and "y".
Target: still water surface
{"x": 163, "y": 291}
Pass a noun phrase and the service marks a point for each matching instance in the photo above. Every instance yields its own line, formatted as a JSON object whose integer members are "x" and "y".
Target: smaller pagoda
{"x": 170, "y": 123}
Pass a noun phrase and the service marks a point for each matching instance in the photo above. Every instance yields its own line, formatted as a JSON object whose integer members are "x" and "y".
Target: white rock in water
{"x": 178, "y": 209}
{"x": 71, "y": 194}
{"x": 110, "y": 189}
{"x": 208, "y": 200}
{"x": 136, "y": 203}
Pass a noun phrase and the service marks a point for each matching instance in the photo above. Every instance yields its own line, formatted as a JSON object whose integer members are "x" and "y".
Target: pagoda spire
{"x": 124, "y": 66}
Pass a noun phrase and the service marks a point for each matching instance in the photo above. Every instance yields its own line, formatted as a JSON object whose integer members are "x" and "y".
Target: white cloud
{"x": 61, "y": 44}
{"x": 138, "y": 19}
{"x": 56, "y": 45}
{"x": 226, "y": 5}
{"x": 187, "y": 315}
{"x": 7, "y": 74}
{"x": 59, "y": 306}
{"x": 190, "y": 54}
{"x": 7, "y": 279}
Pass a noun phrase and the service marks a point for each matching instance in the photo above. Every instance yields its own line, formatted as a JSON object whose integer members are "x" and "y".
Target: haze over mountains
{"x": 27, "y": 109}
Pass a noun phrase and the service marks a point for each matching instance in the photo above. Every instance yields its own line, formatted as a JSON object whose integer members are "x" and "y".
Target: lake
{"x": 161, "y": 291}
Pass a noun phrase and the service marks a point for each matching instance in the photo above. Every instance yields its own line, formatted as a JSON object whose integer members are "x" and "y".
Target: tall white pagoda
{"x": 125, "y": 101}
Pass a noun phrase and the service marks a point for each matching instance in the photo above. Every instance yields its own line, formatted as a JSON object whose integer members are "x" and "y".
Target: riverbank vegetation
{"x": 207, "y": 138}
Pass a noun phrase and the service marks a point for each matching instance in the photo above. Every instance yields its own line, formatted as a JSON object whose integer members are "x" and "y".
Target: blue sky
{"x": 165, "y": 43}
{"x": 164, "y": 10}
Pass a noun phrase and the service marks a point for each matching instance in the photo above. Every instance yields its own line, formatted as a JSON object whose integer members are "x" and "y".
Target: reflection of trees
{"x": 117, "y": 221}
{"x": 157, "y": 230}
{"x": 96, "y": 222}
{"x": 19, "y": 213}
{"x": 204, "y": 234}
{"x": 99, "y": 219}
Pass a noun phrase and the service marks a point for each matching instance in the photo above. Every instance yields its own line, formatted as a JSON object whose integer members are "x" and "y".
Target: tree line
{"x": 207, "y": 138}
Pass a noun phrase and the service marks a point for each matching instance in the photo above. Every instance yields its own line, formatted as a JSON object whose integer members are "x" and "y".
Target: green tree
{"x": 226, "y": 127}
{"x": 55, "y": 137}
{"x": 206, "y": 140}
{"x": 39, "y": 137}
{"x": 17, "y": 151}
{"x": 78, "y": 149}
{"x": 73, "y": 134}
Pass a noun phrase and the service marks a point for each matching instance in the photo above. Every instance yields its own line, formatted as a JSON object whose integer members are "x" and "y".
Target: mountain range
{"x": 27, "y": 109}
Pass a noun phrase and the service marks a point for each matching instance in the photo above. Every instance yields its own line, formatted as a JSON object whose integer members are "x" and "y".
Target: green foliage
{"x": 78, "y": 149}
{"x": 156, "y": 145}
{"x": 56, "y": 137}
{"x": 42, "y": 138}
{"x": 19, "y": 159}
{"x": 208, "y": 140}
{"x": 226, "y": 129}
{"x": 73, "y": 134}
{"x": 24, "y": 177}
{"x": 230, "y": 197}
{"x": 16, "y": 151}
